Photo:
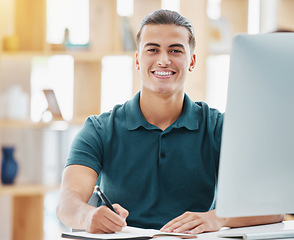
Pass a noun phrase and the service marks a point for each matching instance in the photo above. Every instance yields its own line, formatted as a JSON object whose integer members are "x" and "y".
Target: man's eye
{"x": 152, "y": 50}
{"x": 176, "y": 51}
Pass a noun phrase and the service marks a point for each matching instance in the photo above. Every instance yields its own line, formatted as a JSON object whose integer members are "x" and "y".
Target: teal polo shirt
{"x": 156, "y": 175}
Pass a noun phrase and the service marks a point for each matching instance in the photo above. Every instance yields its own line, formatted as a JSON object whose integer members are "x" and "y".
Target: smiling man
{"x": 156, "y": 156}
{"x": 164, "y": 58}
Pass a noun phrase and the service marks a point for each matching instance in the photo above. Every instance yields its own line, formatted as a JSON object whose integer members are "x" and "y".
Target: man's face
{"x": 164, "y": 58}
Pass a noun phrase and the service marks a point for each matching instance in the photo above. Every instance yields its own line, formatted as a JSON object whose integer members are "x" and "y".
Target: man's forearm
{"x": 72, "y": 210}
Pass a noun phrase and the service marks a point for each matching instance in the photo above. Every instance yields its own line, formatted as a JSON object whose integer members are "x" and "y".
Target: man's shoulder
{"x": 117, "y": 111}
{"x": 197, "y": 105}
{"x": 202, "y": 104}
{"x": 208, "y": 114}
{"x": 203, "y": 108}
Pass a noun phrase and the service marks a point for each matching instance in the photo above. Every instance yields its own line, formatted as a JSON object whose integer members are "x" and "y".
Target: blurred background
{"x": 63, "y": 60}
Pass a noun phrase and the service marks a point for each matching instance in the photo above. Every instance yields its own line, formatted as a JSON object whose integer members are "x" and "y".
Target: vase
{"x": 9, "y": 165}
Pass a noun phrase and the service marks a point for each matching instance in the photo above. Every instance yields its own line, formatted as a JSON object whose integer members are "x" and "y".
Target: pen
{"x": 104, "y": 199}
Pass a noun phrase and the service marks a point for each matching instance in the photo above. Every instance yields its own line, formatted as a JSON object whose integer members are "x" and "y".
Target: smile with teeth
{"x": 161, "y": 73}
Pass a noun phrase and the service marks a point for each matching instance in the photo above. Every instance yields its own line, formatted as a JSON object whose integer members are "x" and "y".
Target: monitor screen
{"x": 256, "y": 173}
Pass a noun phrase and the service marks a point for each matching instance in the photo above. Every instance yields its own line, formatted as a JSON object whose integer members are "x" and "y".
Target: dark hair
{"x": 168, "y": 17}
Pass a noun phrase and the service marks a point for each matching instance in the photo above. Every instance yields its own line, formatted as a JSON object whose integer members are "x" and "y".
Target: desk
{"x": 286, "y": 225}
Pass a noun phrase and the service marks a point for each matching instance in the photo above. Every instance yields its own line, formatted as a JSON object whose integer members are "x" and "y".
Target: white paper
{"x": 127, "y": 232}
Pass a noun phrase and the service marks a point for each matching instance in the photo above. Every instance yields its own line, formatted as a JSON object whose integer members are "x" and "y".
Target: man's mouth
{"x": 163, "y": 73}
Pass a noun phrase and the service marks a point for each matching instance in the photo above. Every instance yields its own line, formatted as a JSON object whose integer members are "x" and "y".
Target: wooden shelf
{"x": 22, "y": 190}
{"x": 22, "y": 124}
{"x": 78, "y": 55}
{"x": 25, "y": 190}
{"x": 54, "y": 125}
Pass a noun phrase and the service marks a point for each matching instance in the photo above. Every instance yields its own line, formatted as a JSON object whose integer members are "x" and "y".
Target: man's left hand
{"x": 194, "y": 223}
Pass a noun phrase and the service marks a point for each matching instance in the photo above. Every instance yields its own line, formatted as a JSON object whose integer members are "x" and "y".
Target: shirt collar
{"x": 188, "y": 119}
{"x": 190, "y": 115}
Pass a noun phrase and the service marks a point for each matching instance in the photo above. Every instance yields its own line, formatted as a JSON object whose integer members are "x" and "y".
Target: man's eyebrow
{"x": 151, "y": 44}
{"x": 177, "y": 45}
{"x": 170, "y": 46}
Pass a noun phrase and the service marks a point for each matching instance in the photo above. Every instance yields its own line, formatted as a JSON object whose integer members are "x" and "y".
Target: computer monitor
{"x": 256, "y": 172}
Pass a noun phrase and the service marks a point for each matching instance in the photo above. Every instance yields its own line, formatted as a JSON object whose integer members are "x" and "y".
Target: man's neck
{"x": 161, "y": 110}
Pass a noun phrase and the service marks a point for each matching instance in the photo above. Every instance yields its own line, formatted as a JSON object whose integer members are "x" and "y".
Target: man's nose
{"x": 163, "y": 59}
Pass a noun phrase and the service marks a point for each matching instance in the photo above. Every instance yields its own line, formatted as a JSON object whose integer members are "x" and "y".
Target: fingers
{"x": 187, "y": 226}
{"x": 197, "y": 230}
{"x": 194, "y": 223}
{"x": 183, "y": 223}
{"x": 121, "y": 211}
{"x": 171, "y": 224}
{"x": 169, "y": 227}
{"x": 104, "y": 220}
{"x": 114, "y": 218}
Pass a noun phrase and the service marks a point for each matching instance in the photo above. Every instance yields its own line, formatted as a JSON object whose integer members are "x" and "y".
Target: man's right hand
{"x": 104, "y": 220}
{"x": 73, "y": 209}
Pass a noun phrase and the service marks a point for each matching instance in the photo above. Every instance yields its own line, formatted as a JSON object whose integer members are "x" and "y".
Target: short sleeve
{"x": 87, "y": 146}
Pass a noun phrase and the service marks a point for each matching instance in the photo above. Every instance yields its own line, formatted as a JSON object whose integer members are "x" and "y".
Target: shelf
{"x": 54, "y": 125}
{"x": 25, "y": 190}
{"x": 84, "y": 55}
{"x": 22, "y": 124}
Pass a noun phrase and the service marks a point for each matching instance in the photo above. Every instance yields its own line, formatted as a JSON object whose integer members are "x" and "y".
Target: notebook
{"x": 126, "y": 233}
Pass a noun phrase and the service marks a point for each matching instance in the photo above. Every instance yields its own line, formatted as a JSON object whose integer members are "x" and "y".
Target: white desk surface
{"x": 286, "y": 225}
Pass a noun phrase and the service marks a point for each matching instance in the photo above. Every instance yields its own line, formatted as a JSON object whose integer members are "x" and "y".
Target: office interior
{"x": 63, "y": 60}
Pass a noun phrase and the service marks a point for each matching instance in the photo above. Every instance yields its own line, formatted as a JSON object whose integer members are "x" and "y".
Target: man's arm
{"x": 195, "y": 222}
{"x": 73, "y": 210}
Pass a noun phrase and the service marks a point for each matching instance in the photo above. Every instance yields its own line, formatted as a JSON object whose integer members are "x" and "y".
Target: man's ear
{"x": 137, "y": 61}
{"x": 193, "y": 62}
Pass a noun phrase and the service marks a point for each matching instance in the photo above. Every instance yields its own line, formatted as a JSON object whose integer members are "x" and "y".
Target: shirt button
{"x": 162, "y": 155}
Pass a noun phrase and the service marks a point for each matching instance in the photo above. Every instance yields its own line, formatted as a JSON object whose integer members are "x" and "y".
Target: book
{"x": 126, "y": 233}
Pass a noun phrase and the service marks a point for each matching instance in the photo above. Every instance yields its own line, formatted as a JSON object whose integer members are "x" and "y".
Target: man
{"x": 157, "y": 155}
